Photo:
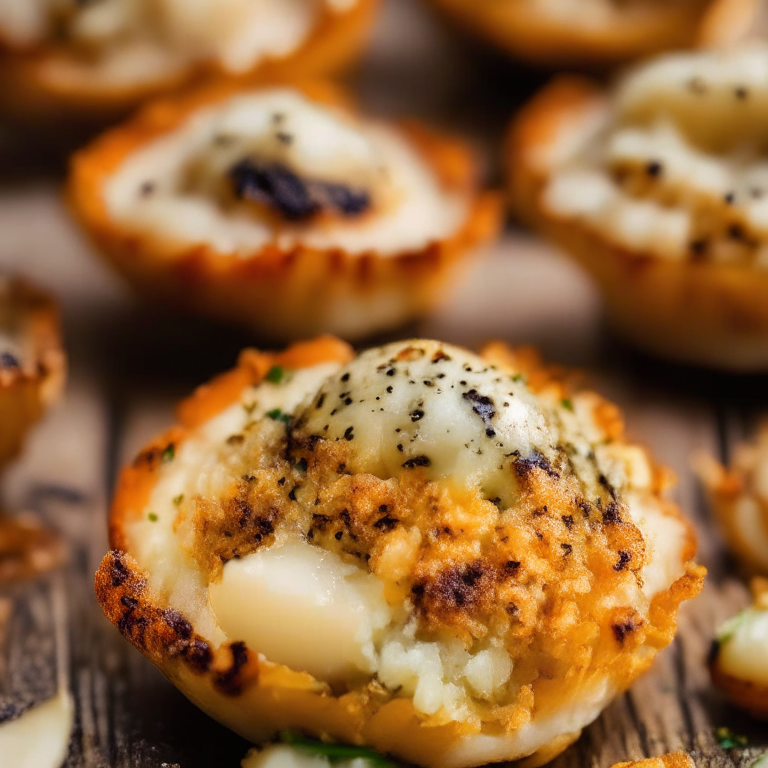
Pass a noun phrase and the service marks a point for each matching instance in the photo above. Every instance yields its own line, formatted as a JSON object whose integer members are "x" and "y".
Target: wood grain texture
{"x": 130, "y": 363}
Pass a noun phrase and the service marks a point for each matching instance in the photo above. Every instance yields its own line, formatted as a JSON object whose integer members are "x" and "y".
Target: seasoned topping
{"x": 437, "y": 407}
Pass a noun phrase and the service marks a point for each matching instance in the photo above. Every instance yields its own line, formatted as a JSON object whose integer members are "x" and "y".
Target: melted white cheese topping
{"x": 237, "y": 33}
{"x": 676, "y": 165}
{"x": 418, "y": 210}
{"x": 445, "y": 410}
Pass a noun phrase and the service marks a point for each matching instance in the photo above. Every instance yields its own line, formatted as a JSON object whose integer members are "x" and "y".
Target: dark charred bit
{"x": 440, "y": 355}
{"x": 567, "y": 549}
{"x": 295, "y": 198}
{"x": 198, "y": 655}
{"x": 567, "y": 521}
{"x": 612, "y": 513}
{"x": 624, "y": 628}
{"x": 7, "y": 360}
{"x": 524, "y": 465}
{"x": 624, "y": 558}
{"x": 511, "y": 567}
{"x": 484, "y": 407}
{"x": 117, "y": 570}
{"x": 455, "y": 587}
{"x": 180, "y": 626}
{"x": 229, "y": 681}
{"x": 349, "y": 433}
{"x": 417, "y": 414}
{"x": 386, "y": 523}
{"x": 417, "y": 461}
{"x": 584, "y": 506}
{"x": 603, "y": 480}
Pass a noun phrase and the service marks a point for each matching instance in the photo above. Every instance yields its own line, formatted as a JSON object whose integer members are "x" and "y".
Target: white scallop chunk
{"x": 440, "y": 408}
{"x": 304, "y": 607}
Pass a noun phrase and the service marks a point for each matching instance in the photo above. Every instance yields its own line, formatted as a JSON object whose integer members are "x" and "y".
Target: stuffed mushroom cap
{"x": 448, "y": 557}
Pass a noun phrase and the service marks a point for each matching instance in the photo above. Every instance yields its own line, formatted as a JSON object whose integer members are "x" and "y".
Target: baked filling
{"x": 275, "y": 167}
{"x": 125, "y": 39}
{"x": 598, "y": 13}
{"x": 673, "y": 164}
{"x": 15, "y": 355}
{"x": 420, "y": 522}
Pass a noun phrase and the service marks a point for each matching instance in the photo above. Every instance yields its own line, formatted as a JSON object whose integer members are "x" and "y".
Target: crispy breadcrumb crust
{"x": 26, "y": 391}
{"x": 747, "y": 694}
{"x": 543, "y": 39}
{"x": 29, "y": 92}
{"x": 259, "y": 698}
{"x": 690, "y": 311}
{"x": 284, "y": 294}
{"x": 727, "y": 486}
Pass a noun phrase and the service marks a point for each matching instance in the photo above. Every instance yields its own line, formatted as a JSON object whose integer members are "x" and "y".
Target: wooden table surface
{"x": 130, "y": 363}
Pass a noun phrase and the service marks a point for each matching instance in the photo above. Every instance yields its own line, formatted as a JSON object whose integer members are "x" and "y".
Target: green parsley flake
{"x": 727, "y": 739}
{"x": 567, "y": 403}
{"x": 275, "y": 374}
{"x": 518, "y": 377}
{"x": 178, "y": 499}
{"x": 336, "y": 753}
{"x": 169, "y": 453}
{"x": 277, "y": 415}
{"x": 152, "y": 517}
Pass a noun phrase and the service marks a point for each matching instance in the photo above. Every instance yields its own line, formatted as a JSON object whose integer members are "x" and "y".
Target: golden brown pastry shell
{"x": 26, "y": 392}
{"x": 688, "y": 311}
{"x": 282, "y": 294}
{"x": 257, "y": 698}
{"x": 29, "y": 94}
{"x": 514, "y": 28}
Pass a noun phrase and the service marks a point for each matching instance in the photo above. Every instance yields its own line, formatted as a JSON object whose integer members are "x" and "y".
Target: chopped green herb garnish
{"x": 727, "y": 630}
{"x": 301, "y": 465}
{"x": 275, "y": 374}
{"x": 567, "y": 403}
{"x": 727, "y": 739}
{"x": 336, "y": 753}
{"x": 169, "y": 453}
{"x": 277, "y": 415}
{"x": 152, "y": 517}
{"x": 518, "y": 377}
{"x": 178, "y": 499}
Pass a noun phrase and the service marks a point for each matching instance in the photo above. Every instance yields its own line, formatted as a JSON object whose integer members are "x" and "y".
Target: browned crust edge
{"x": 513, "y": 28}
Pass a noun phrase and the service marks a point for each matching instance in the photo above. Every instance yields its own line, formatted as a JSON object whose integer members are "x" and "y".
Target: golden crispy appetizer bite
{"x": 451, "y": 558}
{"x": 601, "y": 32}
{"x": 659, "y": 188}
{"x": 32, "y": 362}
{"x": 99, "y": 58}
{"x": 282, "y": 210}
{"x": 739, "y": 497}
{"x": 739, "y": 659}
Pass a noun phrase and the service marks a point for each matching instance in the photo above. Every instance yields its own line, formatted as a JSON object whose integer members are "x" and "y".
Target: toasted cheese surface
{"x": 272, "y": 166}
{"x": 293, "y": 521}
{"x": 673, "y": 162}
{"x": 597, "y": 14}
{"x": 109, "y": 38}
